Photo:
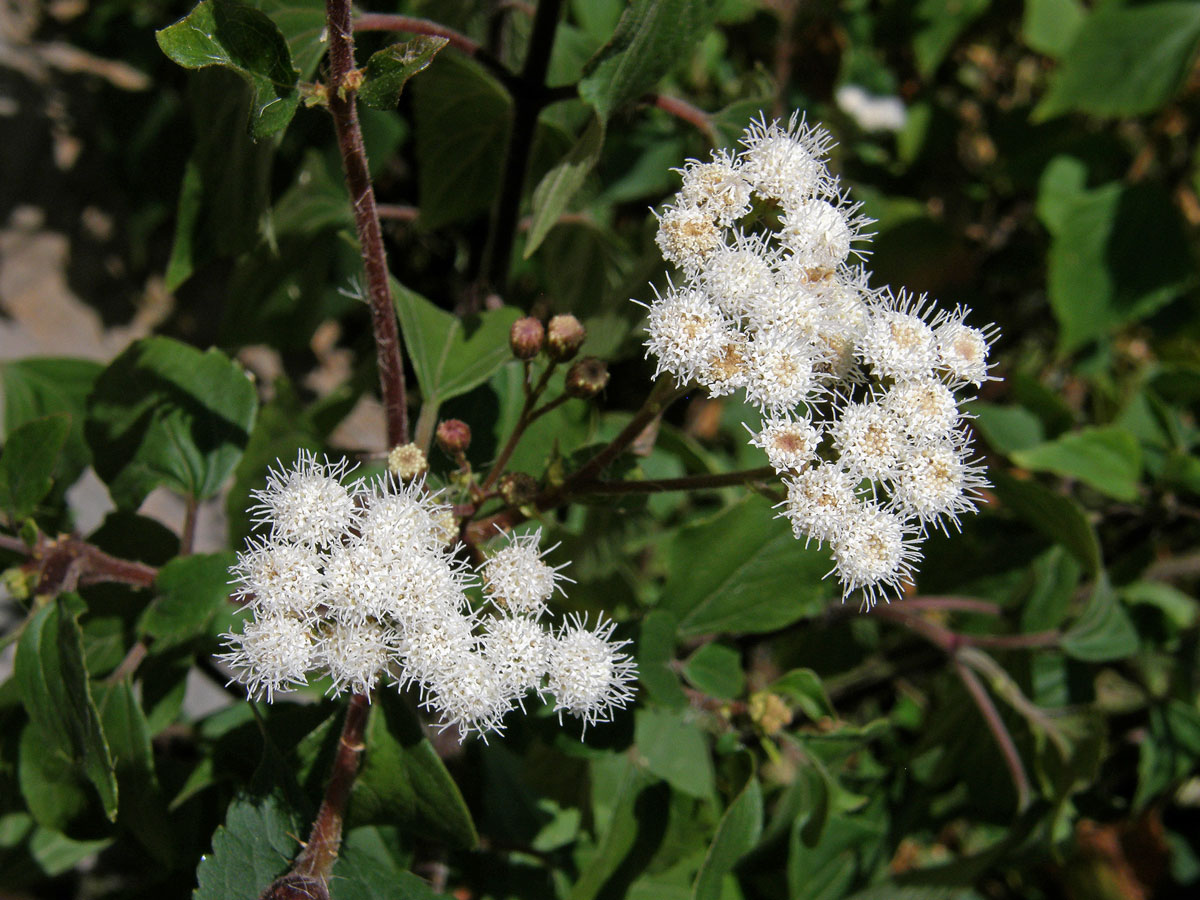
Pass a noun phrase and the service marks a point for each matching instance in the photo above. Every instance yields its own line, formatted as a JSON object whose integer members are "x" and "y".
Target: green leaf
{"x": 388, "y": 70}
{"x": 939, "y": 25}
{"x": 560, "y": 184}
{"x": 240, "y": 38}
{"x": 451, "y": 355}
{"x": 655, "y": 654}
{"x": 675, "y": 750}
{"x": 1105, "y": 268}
{"x": 827, "y": 869}
{"x": 253, "y": 848}
{"x": 191, "y": 590}
{"x": 27, "y": 464}
{"x": 1108, "y": 459}
{"x": 1124, "y": 61}
{"x": 1050, "y": 26}
{"x": 805, "y": 688}
{"x": 56, "y": 792}
{"x": 763, "y": 578}
{"x": 1104, "y": 632}
{"x": 52, "y": 676}
{"x": 463, "y": 117}
{"x": 1057, "y": 517}
{"x": 652, "y": 38}
{"x": 141, "y": 805}
{"x": 717, "y": 671}
{"x": 1181, "y": 609}
{"x": 367, "y": 869}
{"x": 404, "y": 783}
{"x": 736, "y": 836}
{"x": 1055, "y": 576}
{"x": 618, "y": 784}
{"x": 302, "y": 23}
{"x": 1006, "y": 428}
{"x": 167, "y": 413}
{"x": 41, "y": 386}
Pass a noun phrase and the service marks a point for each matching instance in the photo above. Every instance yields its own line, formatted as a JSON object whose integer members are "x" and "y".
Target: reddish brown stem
{"x": 523, "y": 420}
{"x": 326, "y": 837}
{"x": 686, "y": 483}
{"x": 414, "y": 25}
{"x": 686, "y": 112}
{"x": 188, "y": 539}
{"x": 397, "y": 212}
{"x": 995, "y": 724}
{"x": 343, "y": 107}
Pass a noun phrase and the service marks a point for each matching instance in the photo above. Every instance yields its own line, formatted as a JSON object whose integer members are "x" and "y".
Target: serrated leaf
{"x": 1104, "y": 632}
{"x": 716, "y": 670}
{"x": 166, "y": 413}
{"x": 191, "y": 589}
{"x": 463, "y": 118}
{"x": 302, "y": 24}
{"x": 367, "y": 869}
{"x": 404, "y": 783}
{"x": 674, "y": 749}
{"x": 560, "y": 184}
{"x": 388, "y": 70}
{"x": 736, "y": 836}
{"x": 27, "y": 464}
{"x": 651, "y": 39}
{"x": 451, "y": 356}
{"x": 1124, "y": 61}
{"x": 234, "y": 36}
{"x": 1057, "y": 517}
{"x": 52, "y": 677}
{"x": 251, "y": 849}
{"x": 1108, "y": 459}
{"x": 763, "y": 578}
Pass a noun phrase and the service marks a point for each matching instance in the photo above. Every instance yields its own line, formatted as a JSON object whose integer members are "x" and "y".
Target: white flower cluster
{"x": 858, "y": 387}
{"x": 359, "y": 582}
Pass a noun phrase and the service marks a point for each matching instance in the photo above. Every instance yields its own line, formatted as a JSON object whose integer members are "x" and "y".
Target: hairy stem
{"x": 686, "y": 112}
{"x": 343, "y": 107}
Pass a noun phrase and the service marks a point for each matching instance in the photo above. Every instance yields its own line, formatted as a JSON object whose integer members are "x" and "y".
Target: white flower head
{"x": 516, "y": 578}
{"x": 786, "y": 162}
{"x": 735, "y": 276}
{"x": 688, "y": 235}
{"x": 962, "y": 351}
{"x": 869, "y": 440}
{"x": 307, "y": 504}
{"x": 716, "y": 186}
{"x": 899, "y": 343}
{"x": 875, "y": 551}
{"x": 356, "y": 654}
{"x": 790, "y": 444}
{"x": 784, "y": 372}
{"x": 685, "y": 330}
{"x": 822, "y": 234}
{"x": 277, "y": 577}
{"x": 271, "y": 655}
{"x": 936, "y": 484}
{"x": 727, "y": 367}
{"x": 399, "y": 517}
{"x": 819, "y": 499}
{"x": 924, "y": 408}
{"x": 518, "y": 649}
{"x": 468, "y": 694}
{"x": 588, "y": 674}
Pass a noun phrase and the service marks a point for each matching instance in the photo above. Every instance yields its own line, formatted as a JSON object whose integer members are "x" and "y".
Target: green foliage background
{"x": 781, "y": 745}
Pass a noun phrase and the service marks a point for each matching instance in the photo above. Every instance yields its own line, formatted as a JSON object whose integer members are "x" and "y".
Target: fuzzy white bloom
{"x": 272, "y": 654}
{"x": 363, "y": 585}
{"x": 790, "y": 444}
{"x": 307, "y": 504}
{"x": 356, "y": 655}
{"x": 771, "y": 305}
{"x": 687, "y": 236}
{"x": 872, "y": 113}
{"x": 517, "y": 580}
{"x": 589, "y": 676}
{"x": 874, "y": 550}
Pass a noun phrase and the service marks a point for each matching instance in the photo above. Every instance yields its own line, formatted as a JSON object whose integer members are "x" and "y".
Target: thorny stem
{"x": 314, "y": 865}
{"x": 529, "y": 97}
{"x": 991, "y": 715}
{"x": 366, "y": 218}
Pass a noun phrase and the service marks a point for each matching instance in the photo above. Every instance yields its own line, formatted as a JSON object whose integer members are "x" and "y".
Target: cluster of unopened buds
{"x": 362, "y": 583}
{"x": 859, "y": 388}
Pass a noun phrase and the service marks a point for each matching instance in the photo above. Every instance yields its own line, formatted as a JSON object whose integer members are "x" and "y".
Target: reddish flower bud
{"x": 517, "y": 488}
{"x": 525, "y": 338}
{"x": 564, "y": 336}
{"x": 453, "y": 436}
{"x": 587, "y": 378}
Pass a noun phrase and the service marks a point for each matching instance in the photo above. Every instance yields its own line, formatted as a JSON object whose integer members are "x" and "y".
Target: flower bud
{"x": 453, "y": 436}
{"x": 587, "y": 378}
{"x": 525, "y": 337}
{"x": 517, "y": 488}
{"x": 406, "y": 462}
{"x": 564, "y": 336}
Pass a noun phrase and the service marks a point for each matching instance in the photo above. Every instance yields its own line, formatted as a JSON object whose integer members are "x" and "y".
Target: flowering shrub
{"x": 362, "y": 539}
